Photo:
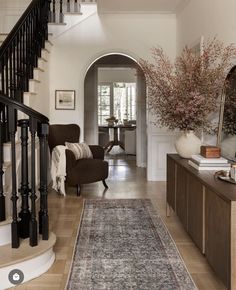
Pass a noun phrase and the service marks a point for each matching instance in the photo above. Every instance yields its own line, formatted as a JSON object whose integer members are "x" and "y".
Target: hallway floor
{"x": 125, "y": 181}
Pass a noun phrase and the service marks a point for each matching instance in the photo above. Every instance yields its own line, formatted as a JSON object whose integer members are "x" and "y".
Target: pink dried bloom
{"x": 183, "y": 94}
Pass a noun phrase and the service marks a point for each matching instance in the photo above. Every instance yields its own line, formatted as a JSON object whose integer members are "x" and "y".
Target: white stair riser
{"x": 48, "y": 45}
{"x": 5, "y": 234}
{"x": 33, "y": 86}
{"x": 31, "y": 268}
{"x": 44, "y": 54}
{"x": 41, "y": 63}
{"x": 37, "y": 74}
{"x": 26, "y": 98}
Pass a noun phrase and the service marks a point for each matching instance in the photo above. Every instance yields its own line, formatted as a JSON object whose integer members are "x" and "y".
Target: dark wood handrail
{"x": 21, "y": 49}
{"x": 24, "y": 109}
{"x": 19, "y": 55}
{"x": 7, "y": 42}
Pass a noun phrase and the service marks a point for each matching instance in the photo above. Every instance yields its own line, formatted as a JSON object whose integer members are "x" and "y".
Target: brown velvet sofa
{"x": 79, "y": 171}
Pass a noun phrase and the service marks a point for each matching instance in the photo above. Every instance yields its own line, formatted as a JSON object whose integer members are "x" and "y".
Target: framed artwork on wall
{"x": 65, "y": 100}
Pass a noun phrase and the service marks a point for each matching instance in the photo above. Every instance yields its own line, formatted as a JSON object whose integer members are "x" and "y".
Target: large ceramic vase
{"x": 188, "y": 144}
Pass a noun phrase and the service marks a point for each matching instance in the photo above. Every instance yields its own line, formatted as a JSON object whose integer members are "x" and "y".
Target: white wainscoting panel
{"x": 159, "y": 144}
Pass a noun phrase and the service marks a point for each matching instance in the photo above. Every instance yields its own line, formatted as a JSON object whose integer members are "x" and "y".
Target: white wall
{"x": 40, "y": 102}
{"x": 110, "y": 75}
{"x": 10, "y": 12}
{"x": 207, "y": 18}
{"x": 74, "y": 51}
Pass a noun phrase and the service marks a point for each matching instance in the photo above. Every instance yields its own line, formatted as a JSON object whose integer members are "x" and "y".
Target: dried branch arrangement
{"x": 181, "y": 95}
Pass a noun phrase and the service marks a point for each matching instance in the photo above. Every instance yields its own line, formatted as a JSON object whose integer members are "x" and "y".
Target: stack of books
{"x": 201, "y": 163}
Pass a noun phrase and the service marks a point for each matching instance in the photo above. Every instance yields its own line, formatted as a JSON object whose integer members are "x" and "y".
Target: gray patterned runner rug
{"x": 123, "y": 244}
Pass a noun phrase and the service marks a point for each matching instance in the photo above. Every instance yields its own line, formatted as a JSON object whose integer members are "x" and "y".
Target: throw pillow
{"x": 80, "y": 150}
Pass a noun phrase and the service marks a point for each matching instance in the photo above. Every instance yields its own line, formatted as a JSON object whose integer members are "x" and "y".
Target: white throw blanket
{"x": 58, "y": 168}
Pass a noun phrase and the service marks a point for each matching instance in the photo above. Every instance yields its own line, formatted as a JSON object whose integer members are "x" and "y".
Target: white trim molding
{"x": 159, "y": 144}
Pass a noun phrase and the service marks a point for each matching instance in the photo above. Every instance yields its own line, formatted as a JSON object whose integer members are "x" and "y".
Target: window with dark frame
{"x": 116, "y": 99}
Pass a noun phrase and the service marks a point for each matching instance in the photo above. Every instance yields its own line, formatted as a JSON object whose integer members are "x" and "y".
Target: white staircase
{"x": 32, "y": 261}
{"x": 71, "y": 17}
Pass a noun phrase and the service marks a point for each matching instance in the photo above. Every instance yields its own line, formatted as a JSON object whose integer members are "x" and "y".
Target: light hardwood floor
{"x": 125, "y": 181}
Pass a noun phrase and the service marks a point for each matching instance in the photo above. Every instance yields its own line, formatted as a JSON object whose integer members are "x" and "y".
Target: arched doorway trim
{"x": 106, "y": 53}
{"x": 90, "y": 100}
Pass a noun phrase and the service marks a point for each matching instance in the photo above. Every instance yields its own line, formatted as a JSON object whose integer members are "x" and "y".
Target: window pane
{"x": 103, "y": 103}
{"x": 104, "y": 110}
{"x": 123, "y": 104}
{"x": 119, "y": 106}
{"x": 104, "y": 90}
{"x": 125, "y": 101}
{"x": 104, "y": 100}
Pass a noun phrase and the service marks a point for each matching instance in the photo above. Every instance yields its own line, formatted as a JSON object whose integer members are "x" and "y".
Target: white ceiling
{"x": 140, "y": 6}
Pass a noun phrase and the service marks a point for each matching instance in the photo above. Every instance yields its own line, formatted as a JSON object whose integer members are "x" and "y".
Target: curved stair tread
{"x": 25, "y": 252}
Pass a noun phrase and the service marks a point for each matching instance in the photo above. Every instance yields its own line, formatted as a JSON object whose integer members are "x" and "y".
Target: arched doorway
{"x": 91, "y": 102}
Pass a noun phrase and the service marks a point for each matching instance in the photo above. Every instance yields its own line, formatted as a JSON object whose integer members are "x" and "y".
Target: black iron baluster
{"x": 6, "y": 73}
{"x": 2, "y": 197}
{"x": 34, "y": 45}
{"x": 22, "y": 58}
{"x": 19, "y": 70}
{"x": 24, "y": 189}
{"x": 27, "y": 59}
{"x": 43, "y": 213}
{"x": 68, "y": 6}
{"x": 10, "y": 71}
{"x": 49, "y": 11}
{"x": 14, "y": 197}
{"x": 38, "y": 34}
{"x": 2, "y": 75}
{"x": 61, "y": 15}
{"x": 14, "y": 68}
{"x": 33, "y": 220}
{"x": 26, "y": 80}
{"x": 77, "y": 7}
{"x": 21, "y": 62}
{"x": 54, "y": 11}
{"x": 31, "y": 67}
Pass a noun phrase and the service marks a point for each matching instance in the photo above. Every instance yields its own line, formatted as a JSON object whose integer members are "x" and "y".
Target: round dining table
{"x": 115, "y": 141}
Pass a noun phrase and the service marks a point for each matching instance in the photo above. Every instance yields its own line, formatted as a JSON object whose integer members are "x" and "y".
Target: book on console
{"x": 201, "y": 164}
{"x": 216, "y": 168}
{"x": 202, "y": 159}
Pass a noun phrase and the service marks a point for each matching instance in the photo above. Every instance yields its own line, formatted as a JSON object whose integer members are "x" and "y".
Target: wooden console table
{"x": 206, "y": 206}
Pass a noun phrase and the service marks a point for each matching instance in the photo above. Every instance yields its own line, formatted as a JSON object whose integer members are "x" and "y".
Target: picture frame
{"x": 65, "y": 100}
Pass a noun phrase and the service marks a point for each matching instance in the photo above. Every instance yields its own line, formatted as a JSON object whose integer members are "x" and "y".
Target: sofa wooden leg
{"x": 78, "y": 190}
{"x": 104, "y": 183}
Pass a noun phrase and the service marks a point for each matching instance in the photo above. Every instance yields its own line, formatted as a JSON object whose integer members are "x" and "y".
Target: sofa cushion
{"x": 80, "y": 150}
